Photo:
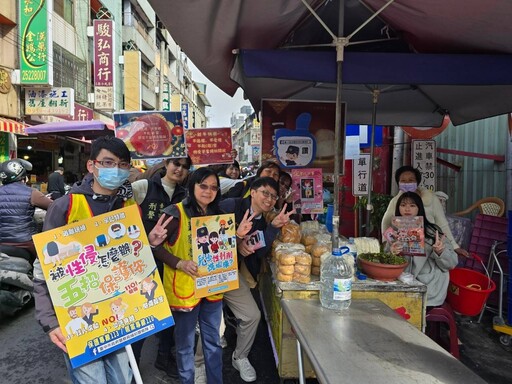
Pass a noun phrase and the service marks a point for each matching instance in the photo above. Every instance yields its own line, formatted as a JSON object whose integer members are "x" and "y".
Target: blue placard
{"x": 364, "y": 132}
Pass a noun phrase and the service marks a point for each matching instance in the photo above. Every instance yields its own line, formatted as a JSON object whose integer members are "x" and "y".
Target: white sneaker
{"x": 200, "y": 374}
{"x": 223, "y": 342}
{"x": 247, "y": 372}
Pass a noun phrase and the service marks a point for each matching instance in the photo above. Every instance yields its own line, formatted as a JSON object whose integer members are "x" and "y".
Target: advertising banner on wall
{"x": 150, "y": 134}
{"x": 103, "y": 64}
{"x": 50, "y": 101}
{"x": 209, "y": 145}
{"x": 36, "y": 56}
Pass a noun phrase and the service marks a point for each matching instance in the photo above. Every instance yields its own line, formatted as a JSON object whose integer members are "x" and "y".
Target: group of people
{"x": 169, "y": 196}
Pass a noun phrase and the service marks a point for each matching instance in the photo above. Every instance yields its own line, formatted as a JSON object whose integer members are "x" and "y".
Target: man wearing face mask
{"x": 408, "y": 180}
{"x": 104, "y": 189}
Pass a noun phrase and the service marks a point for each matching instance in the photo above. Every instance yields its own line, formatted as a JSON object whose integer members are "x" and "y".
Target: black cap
{"x": 202, "y": 231}
{"x": 293, "y": 150}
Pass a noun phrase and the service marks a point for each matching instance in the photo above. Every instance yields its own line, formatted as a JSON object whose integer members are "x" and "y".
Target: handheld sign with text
{"x": 410, "y": 232}
{"x": 104, "y": 285}
{"x": 214, "y": 251}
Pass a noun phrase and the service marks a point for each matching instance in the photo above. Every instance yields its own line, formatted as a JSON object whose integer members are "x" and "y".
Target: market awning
{"x": 87, "y": 129}
{"x": 12, "y": 126}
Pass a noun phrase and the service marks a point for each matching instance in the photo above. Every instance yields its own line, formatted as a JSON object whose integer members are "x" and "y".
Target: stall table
{"x": 369, "y": 343}
{"x": 407, "y": 300}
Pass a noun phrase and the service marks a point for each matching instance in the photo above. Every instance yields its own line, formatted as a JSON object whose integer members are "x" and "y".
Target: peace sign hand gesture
{"x": 159, "y": 232}
{"x": 438, "y": 245}
{"x": 282, "y": 218}
{"x": 245, "y": 225}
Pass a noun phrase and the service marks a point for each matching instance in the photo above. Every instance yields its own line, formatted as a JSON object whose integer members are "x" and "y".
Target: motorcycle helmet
{"x": 14, "y": 170}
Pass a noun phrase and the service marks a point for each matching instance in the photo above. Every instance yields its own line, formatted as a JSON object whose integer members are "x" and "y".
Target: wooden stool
{"x": 443, "y": 314}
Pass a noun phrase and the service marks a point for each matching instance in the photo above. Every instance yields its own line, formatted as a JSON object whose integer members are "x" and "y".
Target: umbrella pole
{"x": 369, "y": 205}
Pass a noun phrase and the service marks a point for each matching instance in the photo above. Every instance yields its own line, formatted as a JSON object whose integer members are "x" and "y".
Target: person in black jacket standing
{"x": 153, "y": 195}
{"x": 56, "y": 183}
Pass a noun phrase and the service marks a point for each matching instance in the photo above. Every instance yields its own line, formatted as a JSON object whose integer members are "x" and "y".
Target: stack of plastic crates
{"x": 486, "y": 230}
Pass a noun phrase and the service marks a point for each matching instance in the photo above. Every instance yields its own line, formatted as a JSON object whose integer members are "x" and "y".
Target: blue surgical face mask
{"x": 408, "y": 187}
{"x": 112, "y": 178}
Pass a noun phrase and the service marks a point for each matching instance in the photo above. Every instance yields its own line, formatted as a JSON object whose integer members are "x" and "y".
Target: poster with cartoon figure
{"x": 214, "y": 251}
{"x": 410, "y": 232}
{"x": 103, "y": 282}
{"x": 307, "y": 190}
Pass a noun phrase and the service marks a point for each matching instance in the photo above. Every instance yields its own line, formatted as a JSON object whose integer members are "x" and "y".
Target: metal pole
{"x": 369, "y": 206}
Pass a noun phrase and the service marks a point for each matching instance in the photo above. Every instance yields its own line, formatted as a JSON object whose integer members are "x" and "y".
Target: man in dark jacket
{"x": 100, "y": 191}
{"x": 251, "y": 249}
{"x": 56, "y": 183}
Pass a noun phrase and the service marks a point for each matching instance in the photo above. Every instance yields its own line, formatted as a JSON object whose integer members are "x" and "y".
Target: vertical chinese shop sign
{"x": 103, "y": 64}
{"x": 36, "y": 42}
{"x": 104, "y": 285}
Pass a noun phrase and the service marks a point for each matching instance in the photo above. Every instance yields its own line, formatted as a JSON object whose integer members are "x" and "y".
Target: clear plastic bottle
{"x": 336, "y": 281}
{"x": 352, "y": 248}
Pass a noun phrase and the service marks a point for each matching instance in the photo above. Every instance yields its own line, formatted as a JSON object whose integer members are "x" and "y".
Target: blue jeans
{"x": 209, "y": 316}
{"x": 111, "y": 369}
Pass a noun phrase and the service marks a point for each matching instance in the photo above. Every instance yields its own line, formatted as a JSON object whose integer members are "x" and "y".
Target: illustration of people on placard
{"x": 88, "y": 312}
{"x": 307, "y": 188}
{"x": 291, "y": 155}
{"x": 118, "y": 308}
{"x": 214, "y": 242}
{"x": 203, "y": 242}
{"x": 76, "y": 323}
{"x": 148, "y": 288}
{"x": 224, "y": 238}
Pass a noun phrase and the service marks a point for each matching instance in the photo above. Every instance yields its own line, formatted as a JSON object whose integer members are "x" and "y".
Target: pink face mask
{"x": 408, "y": 187}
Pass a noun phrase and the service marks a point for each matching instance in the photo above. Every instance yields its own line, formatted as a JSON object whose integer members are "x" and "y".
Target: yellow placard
{"x": 103, "y": 282}
{"x": 214, "y": 251}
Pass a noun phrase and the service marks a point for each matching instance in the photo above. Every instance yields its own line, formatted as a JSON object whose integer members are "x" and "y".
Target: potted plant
{"x": 382, "y": 266}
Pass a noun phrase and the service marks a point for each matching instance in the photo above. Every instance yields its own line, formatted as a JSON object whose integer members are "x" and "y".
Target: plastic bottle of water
{"x": 336, "y": 281}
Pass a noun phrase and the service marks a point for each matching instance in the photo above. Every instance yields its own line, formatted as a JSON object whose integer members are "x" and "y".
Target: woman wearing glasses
{"x": 154, "y": 194}
{"x": 170, "y": 239}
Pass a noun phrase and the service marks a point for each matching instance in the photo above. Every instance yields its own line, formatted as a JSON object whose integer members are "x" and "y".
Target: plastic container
{"x": 468, "y": 291}
{"x": 336, "y": 281}
{"x": 352, "y": 248}
{"x": 328, "y": 217}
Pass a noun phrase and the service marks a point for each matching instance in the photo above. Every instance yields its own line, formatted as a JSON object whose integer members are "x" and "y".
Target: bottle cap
{"x": 360, "y": 275}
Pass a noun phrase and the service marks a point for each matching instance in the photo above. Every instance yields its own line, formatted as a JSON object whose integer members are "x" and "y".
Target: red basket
{"x": 468, "y": 291}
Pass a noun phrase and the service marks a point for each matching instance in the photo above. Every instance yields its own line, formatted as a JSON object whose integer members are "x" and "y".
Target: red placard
{"x": 209, "y": 145}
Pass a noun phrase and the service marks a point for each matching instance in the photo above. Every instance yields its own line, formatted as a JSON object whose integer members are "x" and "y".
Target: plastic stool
{"x": 443, "y": 314}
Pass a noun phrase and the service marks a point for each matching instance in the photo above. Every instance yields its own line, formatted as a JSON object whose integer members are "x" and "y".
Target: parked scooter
{"x": 16, "y": 288}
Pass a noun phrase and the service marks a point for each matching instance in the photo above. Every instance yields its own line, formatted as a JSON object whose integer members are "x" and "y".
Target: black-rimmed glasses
{"x": 113, "y": 164}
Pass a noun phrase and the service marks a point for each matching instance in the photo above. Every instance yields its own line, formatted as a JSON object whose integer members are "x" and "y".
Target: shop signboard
{"x": 209, "y": 145}
{"x": 315, "y": 122}
{"x": 103, "y": 39}
{"x": 255, "y": 133}
{"x": 36, "y": 56}
{"x": 423, "y": 157}
{"x": 103, "y": 282}
{"x": 50, "y": 101}
{"x": 151, "y": 134}
{"x": 361, "y": 175}
{"x": 184, "y": 115}
{"x": 214, "y": 251}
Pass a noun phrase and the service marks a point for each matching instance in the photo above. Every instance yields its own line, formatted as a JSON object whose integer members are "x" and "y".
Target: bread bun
{"x": 303, "y": 258}
{"x": 318, "y": 249}
{"x": 286, "y": 259}
{"x": 286, "y": 269}
{"x": 308, "y": 239}
{"x": 302, "y": 269}
{"x": 315, "y": 271}
{"x": 283, "y": 277}
{"x": 316, "y": 262}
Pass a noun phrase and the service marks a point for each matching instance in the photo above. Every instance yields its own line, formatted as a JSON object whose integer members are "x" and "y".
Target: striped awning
{"x": 12, "y": 126}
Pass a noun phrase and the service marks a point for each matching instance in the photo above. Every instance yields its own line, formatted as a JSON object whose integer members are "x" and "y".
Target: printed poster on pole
{"x": 104, "y": 285}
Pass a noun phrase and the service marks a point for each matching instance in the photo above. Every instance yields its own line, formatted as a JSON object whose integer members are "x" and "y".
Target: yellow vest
{"x": 178, "y": 286}
{"x": 79, "y": 208}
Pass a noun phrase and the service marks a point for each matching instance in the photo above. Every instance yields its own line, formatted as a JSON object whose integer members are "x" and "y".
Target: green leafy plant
{"x": 383, "y": 258}
{"x": 380, "y": 202}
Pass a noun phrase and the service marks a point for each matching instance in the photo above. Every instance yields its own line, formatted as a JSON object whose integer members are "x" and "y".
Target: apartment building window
{"x": 64, "y": 8}
{"x": 145, "y": 73}
{"x": 69, "y": 71}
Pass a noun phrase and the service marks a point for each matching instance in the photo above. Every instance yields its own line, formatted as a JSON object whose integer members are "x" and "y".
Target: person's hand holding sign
{"x": 159, "y": 232}
{"x": 282, "y": 218}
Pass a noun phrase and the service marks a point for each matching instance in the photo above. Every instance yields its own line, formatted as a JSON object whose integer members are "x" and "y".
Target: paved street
{"x": 28, "y": 356}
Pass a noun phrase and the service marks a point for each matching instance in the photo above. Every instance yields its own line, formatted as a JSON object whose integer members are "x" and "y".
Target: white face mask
{"x": 408, "y": 187}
